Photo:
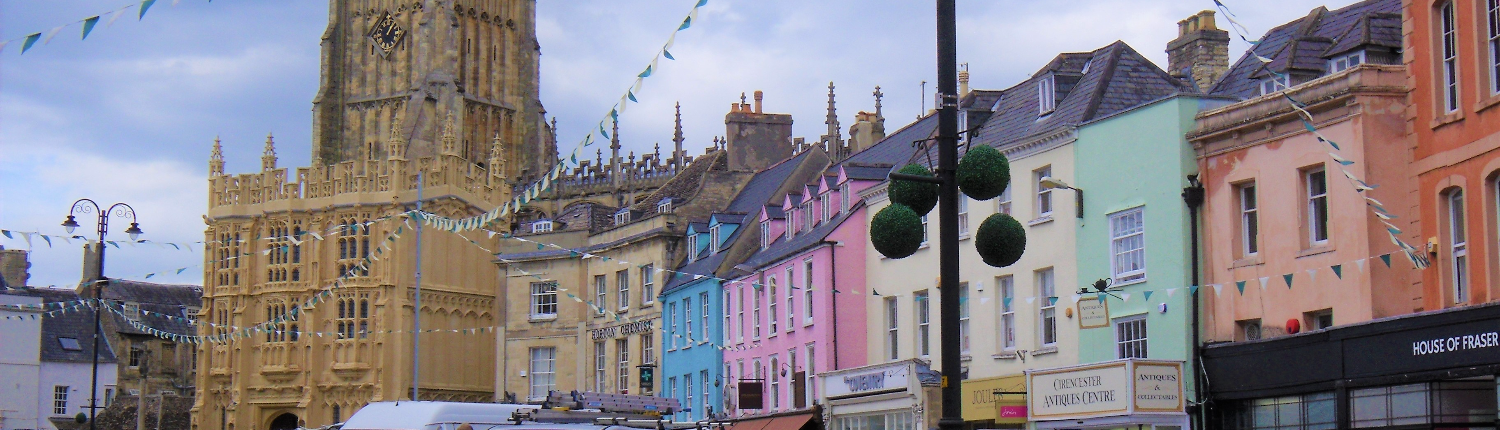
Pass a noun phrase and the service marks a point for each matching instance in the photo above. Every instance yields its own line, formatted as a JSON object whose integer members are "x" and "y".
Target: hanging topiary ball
{"x": 920, "y": 197}
{"x": 1000, "y": 240}
{"x": 896, "y": 231}
{"x": 983, "y": 173}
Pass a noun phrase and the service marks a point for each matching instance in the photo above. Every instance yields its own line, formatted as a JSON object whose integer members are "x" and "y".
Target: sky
{"x": 130, "y": 114}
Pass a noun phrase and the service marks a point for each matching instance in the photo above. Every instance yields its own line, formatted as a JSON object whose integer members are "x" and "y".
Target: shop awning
{"x": 789, "y": 422}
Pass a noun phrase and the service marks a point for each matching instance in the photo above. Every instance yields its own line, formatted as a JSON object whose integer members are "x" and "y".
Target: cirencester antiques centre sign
{"x": 1120, "y": 387}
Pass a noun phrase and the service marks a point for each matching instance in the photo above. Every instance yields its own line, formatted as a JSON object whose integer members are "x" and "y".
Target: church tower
{"x": 429, "y": 98}
{"x": 410, "y": 65}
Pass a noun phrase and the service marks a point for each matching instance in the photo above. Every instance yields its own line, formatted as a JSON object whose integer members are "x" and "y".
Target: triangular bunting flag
{"x": 1263, "y": 281}
{"x": 145, "y": 5}
{"x": 1146, "y": 295}
{"x": 1386, "y": 259}
{"x": 1360, "y": 264}
{"x": 1170, "y": 292}
{"x": 88, "y": 25}
{"x": 1288, "y": 279}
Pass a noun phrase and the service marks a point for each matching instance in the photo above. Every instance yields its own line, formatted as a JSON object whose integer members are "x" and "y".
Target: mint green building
{"x": 1135, "y": 232}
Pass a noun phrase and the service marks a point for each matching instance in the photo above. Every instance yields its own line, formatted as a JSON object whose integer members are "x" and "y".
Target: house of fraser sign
{"x": 626, "y": 329}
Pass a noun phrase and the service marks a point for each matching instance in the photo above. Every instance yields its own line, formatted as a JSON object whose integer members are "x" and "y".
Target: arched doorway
{"x": 286, "y": 421}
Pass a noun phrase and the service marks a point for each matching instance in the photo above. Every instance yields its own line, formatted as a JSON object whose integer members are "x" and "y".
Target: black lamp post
{"x": 121, "y": 210}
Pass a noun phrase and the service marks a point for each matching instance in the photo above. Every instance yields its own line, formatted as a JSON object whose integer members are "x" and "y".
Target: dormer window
{"x": 1275, "y": 83}
{"x": 542, "y": 226}
{"x": 1046, "y": 95}
{"x": 824, "y": 205}
{"x": 807, "y": 216}
{"x": 665, "y": 207}
{"x": 791, "y": 223}
{"x": 622, "y": 217}
{"x": 765, "y": 234}
{"x": 692, "y": 248}
{"x": 713, "y": 239}
{"x": 844, "y": 197}
{"x": 1346, "y": 61}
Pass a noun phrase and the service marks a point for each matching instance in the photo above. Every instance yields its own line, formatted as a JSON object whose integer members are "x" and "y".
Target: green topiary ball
{"x": 983, "y": 173}
{"x": 80, "y": 418}
{"x": 1000, "y": 240}
{"x": 921, "y": 197}
{"x": 896, "y": 231}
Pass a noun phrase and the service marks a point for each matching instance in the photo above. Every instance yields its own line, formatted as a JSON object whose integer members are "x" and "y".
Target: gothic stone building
{"x": 446, "y": 89}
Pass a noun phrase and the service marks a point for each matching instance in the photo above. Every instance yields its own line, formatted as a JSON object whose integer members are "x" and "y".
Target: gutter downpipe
{"x": 834, "y": 280}
{"x": 1193, "y": 196}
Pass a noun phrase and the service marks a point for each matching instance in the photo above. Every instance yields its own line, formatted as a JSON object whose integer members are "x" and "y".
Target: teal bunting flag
{"x": 1147, "y": 294}
{"x": 88, "y": 25}
{"x": 687, "y": 22}
{"x": 1052, "y": 301}
{"x": 26, "y": 45}
{"x": 667, "y": 54}
{"x": 1193, "y": 289}
{"x": 1288, "y": 279}
{"x": 1386, "y": 259}
{"x": 701, "y": 3}
{"x": 1241, "y": 286}
{"x": 145, "y": 5}
{"x": 48, "y": 239}
{"x": 645, "y": 73}
{"x": 631, "y": 95}
{"x": 876, "y": 293}
{"x": 1338, "y": 270}
{"x": 7, "y": 234}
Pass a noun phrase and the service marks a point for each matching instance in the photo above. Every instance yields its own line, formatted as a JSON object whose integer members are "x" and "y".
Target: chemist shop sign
{"x": 1121, "y": 387}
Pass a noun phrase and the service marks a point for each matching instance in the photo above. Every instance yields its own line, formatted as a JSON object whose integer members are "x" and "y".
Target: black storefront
{"x": 1422, "y": 371}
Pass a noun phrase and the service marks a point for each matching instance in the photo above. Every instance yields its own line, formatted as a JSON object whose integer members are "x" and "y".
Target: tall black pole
{"x": 1193, "y": 196}
{"x": 96, "y": 279}
{"x": 947, "y": 143}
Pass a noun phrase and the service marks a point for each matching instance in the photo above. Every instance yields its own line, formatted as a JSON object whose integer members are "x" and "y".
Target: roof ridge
{"x": 1105, "y": 78}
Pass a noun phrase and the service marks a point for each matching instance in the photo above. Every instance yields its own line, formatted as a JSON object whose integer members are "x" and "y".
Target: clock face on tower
{"x": 386, "y": 34}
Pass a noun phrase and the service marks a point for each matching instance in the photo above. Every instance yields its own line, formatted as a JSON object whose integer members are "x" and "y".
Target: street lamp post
{"x": 947, "y": 142}
{"x": 87, "y": 206}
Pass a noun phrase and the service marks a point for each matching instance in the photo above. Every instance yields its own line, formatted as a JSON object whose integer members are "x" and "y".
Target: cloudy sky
{"x": 130, "y": 114}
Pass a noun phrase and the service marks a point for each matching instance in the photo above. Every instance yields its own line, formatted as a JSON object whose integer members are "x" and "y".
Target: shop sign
{"x": 866, "y": 381}
{"x": 1093, "y": 313}
{"x": 1115, "y": 388}
{"x": 1447, "y": 346}
{"x": 988, "y": 399}
{"x": 626, "y": 329}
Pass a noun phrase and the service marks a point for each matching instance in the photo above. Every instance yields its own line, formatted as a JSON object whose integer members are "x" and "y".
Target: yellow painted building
{"x": 398, "y": 98}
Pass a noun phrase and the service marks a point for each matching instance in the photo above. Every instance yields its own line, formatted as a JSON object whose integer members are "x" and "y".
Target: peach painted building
{"x": 1289, "y": 242}
{"x": 1455, "y": 86}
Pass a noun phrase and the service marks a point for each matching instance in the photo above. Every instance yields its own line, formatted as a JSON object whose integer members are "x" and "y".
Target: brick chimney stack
{"x": 14, "y": 267}
{"x": 1200, "y": 52}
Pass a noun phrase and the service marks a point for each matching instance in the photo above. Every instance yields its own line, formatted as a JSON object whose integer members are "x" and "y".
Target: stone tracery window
{"x": 354, "y": 247}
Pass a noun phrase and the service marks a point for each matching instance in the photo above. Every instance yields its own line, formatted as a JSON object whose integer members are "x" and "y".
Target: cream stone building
{"x": 431, "y": 98}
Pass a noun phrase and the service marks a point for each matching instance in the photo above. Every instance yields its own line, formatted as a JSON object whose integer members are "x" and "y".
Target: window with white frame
{"x": 791, "y": 389}
{"x": 775, "y": 298}
{"x": 542, "y": 226}
{"x": 963, "y": 318}
{"x": 775, "y": 382}
{"x": 1130, "y": 337}
{"x": 924, "y": 323}
{"x": 648, "y": 351}
{"x": 1002, "y": 203}
{"x": 687, "y": 389}
{"x": 741, "y": 308}
{"x": 891, "y": 324}
{"x": 687, "y": 320}
{"x": 671, "y": 388}
{"x": 1316, "y": 187}
{"x": 844, "y": 191}
{"x": 692, "y": 246}
{"x": 1346, "y": 61}
{"x": 1127, "y": 236}
{"x": 791, "y": 222}
{"x": 713, "y": 239}
{"x": 664, "y": 207}
{"x": 601, "y": 364}
{"x": 622, "y": 365}
{"x": 703, "y": 409}
{"x": 1458, "y": 245}
{"x": 765, "y": 234}
{"x": 543, "y": 300}
{"x": 808, "y": 217}
{"x": 622, "y": 217}
{"x": 1448, "y": 26}
{"x": 924, "y": 230}
{"x": 703, "y": 316}
{"x": 622, "y": 282}
{"x": 791, "y": 294}
{"x": 727, "y": 328}
{"x": 1046, "y": 95}
{"x": 648, "y": 284}
{"x": 1249, "y": 220}
{"x": 825, "y": 207}
{"x": 760, "y": 373}
{"x": 1006, "y": 286}
{"x": 963, "y": 215}
{"x": 811, "y": 368}
{"x": 1275, "y": 83}
{"x": 1043, "y": 206}
{"x": 601, "y": 294}
{"x": 756, "y": 292}
{"x": 543, "y": 374}
{"x": 807, "y": 291}
{"x": 1047, "y": 310}
{"x": 671, "y": 326}
{"x": 1492, "y": 9}
{"x": 60, "y": 400}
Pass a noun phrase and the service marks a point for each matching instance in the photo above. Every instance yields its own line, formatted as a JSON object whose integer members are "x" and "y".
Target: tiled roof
{"x": 1088, "y": 85}
{"x": 1305, "y": 45}
{"x": 895, "y": 150}
{"x": 76, "y": 324}
{"x": 159, "y": 300}
{"x": 762, "y": 188}
{"x": 775, "y": 212}
{"x": 686, "y": 183}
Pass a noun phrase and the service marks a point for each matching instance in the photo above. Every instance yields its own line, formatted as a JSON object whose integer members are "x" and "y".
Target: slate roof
{"x": 76, "y": 324}
{"x": 782, "y": 247}
{"x": 895, "y": 150}
{"x": 775, "y": 212}
{"x": 159, "y": 300}
{"x": 686, "y": 183}
{"x": 762, "y": 187}
{"x": 1089, "y": 85}
{"x": 1304, "y": 45}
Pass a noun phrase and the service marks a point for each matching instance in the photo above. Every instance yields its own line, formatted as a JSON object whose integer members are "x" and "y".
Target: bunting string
{"x": 87, "y": 25}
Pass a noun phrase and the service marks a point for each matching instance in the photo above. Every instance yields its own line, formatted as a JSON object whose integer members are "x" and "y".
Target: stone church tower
{"x": 441, "y": 89}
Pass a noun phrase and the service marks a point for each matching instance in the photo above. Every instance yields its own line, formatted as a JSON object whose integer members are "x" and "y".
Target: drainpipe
{"x": 1193, "y": 196}
{"x": 834, "y": 280}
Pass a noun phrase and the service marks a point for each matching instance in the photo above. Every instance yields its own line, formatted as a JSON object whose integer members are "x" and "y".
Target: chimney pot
{"x": 758, "y": 97}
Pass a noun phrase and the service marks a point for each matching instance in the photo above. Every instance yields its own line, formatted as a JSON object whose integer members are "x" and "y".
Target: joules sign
{"x": 1455, "y": 343}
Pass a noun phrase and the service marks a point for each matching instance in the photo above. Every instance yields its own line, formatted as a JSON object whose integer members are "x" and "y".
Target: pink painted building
{"x": 795, "y": 306}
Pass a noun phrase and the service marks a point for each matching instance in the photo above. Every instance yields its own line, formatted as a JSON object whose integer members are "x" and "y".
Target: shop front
{"x": 1120, "y": 394}
{"x": 995, "y": 403}
{"x": 1422, "y": 371}
{"x": 901, "y": 395}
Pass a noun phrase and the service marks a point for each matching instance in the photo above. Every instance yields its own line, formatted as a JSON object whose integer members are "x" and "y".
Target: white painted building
{"x": 66, "y": 371}
{"x": 20, "y": 363}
